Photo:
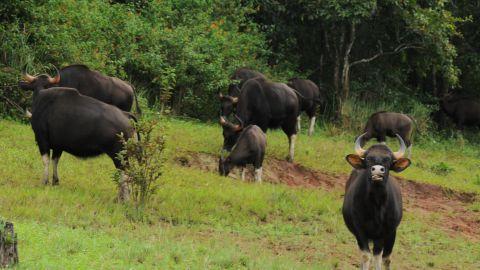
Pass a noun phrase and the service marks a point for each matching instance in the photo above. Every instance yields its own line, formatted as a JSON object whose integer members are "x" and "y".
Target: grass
{"x": 199, "y": 220}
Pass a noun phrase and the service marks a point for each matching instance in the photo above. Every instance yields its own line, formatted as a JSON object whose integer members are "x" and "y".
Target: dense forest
{"x": 366, "y": 55}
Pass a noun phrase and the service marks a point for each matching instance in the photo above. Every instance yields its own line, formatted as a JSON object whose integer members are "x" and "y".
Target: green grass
{"x": 199, "y": 220}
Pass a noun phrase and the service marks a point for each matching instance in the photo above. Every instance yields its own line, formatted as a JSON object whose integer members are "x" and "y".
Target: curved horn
{"x": 27, "y": 77}
{"x": 239, "y": 120}
{"x": 222, "y": 121}
{"x": 401, "y": 152}
{"x": 220, "y": 95}
{"x": 56, "y": 79}
{"x": 234, "y": 100}
{"x": 358, "y": 147}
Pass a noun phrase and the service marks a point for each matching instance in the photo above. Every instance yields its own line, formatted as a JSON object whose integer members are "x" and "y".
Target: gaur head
{"x": 224, "y": 166}
{"x": 38, "y": 82}
{"x": 378, "y": 160}
{"x": 227, "y": 103}
{"x": 231, "y": 132}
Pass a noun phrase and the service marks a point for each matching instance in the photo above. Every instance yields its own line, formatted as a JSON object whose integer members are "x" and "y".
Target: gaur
{"x": 249, "y": 148}
{"x": 65, "y": 120}
{"x": 372, "y": 207}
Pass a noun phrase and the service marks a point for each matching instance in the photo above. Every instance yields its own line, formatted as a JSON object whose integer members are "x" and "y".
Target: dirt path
{"x": 451, "y": 206}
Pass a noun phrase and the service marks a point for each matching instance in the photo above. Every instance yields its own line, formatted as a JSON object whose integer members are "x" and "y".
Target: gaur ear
{"x": 400, "y": 164}
{"x": 356, "y": 161}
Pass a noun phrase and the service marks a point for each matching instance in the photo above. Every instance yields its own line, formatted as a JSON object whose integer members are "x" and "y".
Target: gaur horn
{"x": 239, "y": 120}
{"x": 401, "y": 152}
{"x": 27, "y": 77}
{"x": 222, "y": 121}
{"x": 56, "y": 79}
{"x": 358, "y": 147}
{"x": 220, "y": 95}
{"x": 234, "y": 100}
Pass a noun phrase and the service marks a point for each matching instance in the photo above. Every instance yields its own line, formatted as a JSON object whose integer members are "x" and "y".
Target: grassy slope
{"x": 200, "y": 220}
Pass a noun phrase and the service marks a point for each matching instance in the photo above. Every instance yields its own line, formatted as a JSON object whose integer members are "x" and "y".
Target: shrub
{"x": 143, "y": 162}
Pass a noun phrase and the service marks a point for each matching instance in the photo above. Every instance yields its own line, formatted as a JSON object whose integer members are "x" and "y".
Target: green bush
{"x": 181, "y": 52}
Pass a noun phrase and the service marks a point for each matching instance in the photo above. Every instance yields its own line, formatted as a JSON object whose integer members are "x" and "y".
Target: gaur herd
{"x": 84, "y": 113}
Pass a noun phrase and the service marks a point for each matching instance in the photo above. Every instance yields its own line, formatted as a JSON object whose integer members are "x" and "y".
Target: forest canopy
{"x": 390, "y": 54}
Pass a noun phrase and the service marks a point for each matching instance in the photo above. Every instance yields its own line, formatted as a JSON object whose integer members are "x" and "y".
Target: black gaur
{"x": 383, "y": 124}
{"x": 309, "y": 97}
{"x": 240, "y": 76}
{"x": 65, "y": 120}
{"x": 372, "y": 207}
{"x": 248, "y": 148}
{"x": 92, "y": 83}
{"x": 268, "y": 105}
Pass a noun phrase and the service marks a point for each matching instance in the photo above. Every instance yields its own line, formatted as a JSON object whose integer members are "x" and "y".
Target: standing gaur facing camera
{"x": 372, "y": 207}
{"x": 64, "y": 120}
{"x": 247, "y": 146}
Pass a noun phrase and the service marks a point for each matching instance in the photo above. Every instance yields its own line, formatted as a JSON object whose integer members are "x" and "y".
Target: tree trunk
{"x": 434, "y": 82}
{"x": 8, "y": 245}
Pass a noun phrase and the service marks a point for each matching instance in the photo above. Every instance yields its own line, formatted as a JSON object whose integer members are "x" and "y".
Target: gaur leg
{"x": 377, "y": 253}
{"x": 366, "y": 256}
{"x": 244, "y": 171}
{"x": 46, "y": 161}
{"x": 299, "y": 119}
{"x": 123, "y": 189}
{"x": 290, "y": 131}
{"x": 258, "y": 174}
{"x": 291, "y": 149}
{"x": 387, "y": 250}
{"x": 382, "y": 138}
{"x": 408, "y": 143}
{"x": 311, "y": 115}
{"x": 312, "y": 125}
{"x": 56, "y": 154}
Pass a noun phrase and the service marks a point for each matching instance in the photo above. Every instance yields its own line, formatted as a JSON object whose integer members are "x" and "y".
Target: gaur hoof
{"x": 55, "y": 182}
{"x": 289, "y": 159}
{"x": 45, "y": 181}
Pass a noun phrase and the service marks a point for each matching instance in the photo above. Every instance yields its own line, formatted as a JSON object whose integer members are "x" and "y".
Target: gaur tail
{"x": 135, "y": 119}
{"x": 137, "y": 107}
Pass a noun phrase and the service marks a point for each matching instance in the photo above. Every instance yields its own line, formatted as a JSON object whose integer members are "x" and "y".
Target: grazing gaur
{"x": 383, "y": 124}
{"x": 268, "y": 105}
{"x": 65, "y": 120}
{"x": 229, "y": 101}
{"x": 464, "y": 111}
{"x": 249, "y": 148}
{"x": 308, "y": 98}
{"x": 91, "y": 83}
{"x": 372, "y": 207}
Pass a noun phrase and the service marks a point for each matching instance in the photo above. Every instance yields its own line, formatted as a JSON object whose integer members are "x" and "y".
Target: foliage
{"x": 182, "y": 53}
{"x": 142, "y": 160}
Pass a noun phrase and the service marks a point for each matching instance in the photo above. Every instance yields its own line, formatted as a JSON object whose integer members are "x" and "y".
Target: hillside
{"x": 199, "y": 220}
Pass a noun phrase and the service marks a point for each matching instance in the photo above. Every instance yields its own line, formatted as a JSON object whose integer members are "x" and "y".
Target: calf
{"x": 64, "y": 120}
{"x": 249, "y": 148}
{"x": 383, "y": 124}
{"x": 372, "y": 207}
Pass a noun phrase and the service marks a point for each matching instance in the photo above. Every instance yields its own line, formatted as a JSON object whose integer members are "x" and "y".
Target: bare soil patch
{"x": 451, "y": 206}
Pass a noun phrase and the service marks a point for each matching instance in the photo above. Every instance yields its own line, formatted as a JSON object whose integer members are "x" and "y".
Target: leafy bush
{"x": 143, "y": 162}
